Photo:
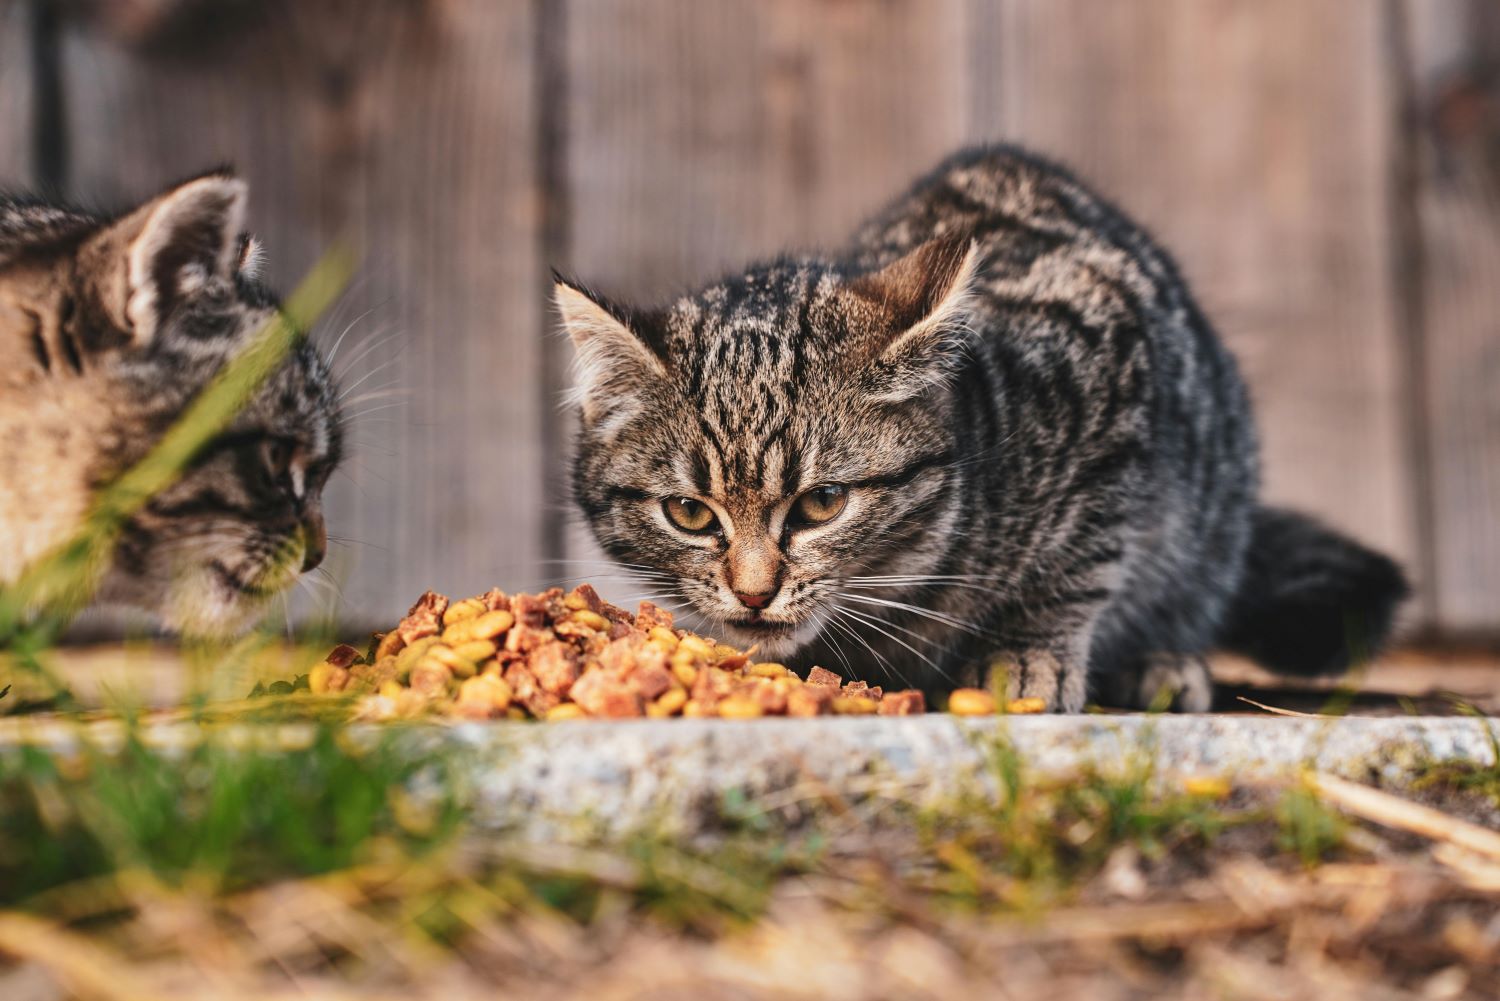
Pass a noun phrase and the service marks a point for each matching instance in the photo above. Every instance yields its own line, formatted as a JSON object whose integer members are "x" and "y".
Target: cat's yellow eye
{"x": 690, "y": 515}
{"x": 819, "y": 505}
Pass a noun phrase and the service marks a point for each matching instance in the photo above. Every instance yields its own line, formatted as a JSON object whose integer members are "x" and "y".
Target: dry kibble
{"x": 410, "y": 655}
{"x": 477, "y": 651}
{"x": 740, "y": 707}
{"x": 486, "y": 690}
{"x": 461, "y": 666}
{"x": 664, "y": 638}
{"x": 557, "y": 656}
{"x": 1026, "y": 706}
{"x": 825, "y": 678}
{"x": 971, "y": 702}
{"x": 668, "y": 704}
{"x": 327, "y": 677}
{"x": 430, "y": 678}
{"x": 593, "y": 620}
{"x": 464, "y": 610}
{"x": 696, "y": 647}
{"x": 390, "y": 644}
{"x": 854, "y": 705}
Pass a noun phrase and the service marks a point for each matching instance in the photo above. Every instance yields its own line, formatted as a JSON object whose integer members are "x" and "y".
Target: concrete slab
{"x": 581, "y": 779}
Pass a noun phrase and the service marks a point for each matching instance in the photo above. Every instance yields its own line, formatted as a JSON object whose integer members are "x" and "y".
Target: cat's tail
{"x": 1311, "y": 601}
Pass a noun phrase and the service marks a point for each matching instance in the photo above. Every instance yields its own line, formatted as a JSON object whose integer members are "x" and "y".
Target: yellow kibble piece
{"x": 593, "y": 620}
{"x": 1026, "y": 707}
{"x": 476, "y": 651}
{"x": 389, "y": 645}
{"x": 694, "y": 709}
{"x": 769, "y": 670}
{"x": 971, "y": 702}
{"x": 408, "y": 657}
{"x": 482, "y": 627}
{"x": 391, "y": 689}
{"x": 516, "y": 713}
{"x": 663, "y": 637}
{"x": 668, "y": 704}
{"x": 492, "y": 624}
{"x": 1207, "y": 786}
{"x": 696, "y": 647}
{"x": 685, "y": 672}
{"x": 325, "y": 677}
{"x": 568, "y": 710}
{"x": 736, "y": 707}
{"x": 486, "y": 690}
{"x": 854, "y": 705}
{"x": 463, "y": 611}
{"x": 575, "y": 601}
{"x": 461, "y": 667}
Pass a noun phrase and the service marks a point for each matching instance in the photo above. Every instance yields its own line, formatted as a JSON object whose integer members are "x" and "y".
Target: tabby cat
{"x": 994, "y": 430}
{"x": 109, "y": 327}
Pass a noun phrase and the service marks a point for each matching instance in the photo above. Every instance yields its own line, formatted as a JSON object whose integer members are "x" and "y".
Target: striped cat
{"x": 109, "y": 327}
{"x": 996, "y": 429}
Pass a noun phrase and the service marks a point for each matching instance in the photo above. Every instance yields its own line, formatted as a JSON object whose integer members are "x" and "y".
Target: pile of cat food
{"x": 574, "y": 655}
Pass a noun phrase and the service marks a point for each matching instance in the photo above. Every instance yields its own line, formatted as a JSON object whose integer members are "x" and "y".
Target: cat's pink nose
{"x": 756, "y": 601}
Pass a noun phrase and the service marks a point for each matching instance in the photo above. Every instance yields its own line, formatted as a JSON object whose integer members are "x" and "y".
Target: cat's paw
{"x": 1042, "y": 674}
{"x": 1175, "y": 681}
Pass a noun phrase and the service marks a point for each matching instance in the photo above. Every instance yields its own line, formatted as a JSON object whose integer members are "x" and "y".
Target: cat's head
{"x": 146, "y": 309}
{"x": 750, "y": 447}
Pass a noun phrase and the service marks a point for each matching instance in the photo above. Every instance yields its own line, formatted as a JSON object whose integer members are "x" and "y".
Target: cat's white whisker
{"x": 876, "y": 625}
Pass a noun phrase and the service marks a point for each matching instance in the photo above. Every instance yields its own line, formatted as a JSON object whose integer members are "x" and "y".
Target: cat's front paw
{"x": 1042, "y": 674}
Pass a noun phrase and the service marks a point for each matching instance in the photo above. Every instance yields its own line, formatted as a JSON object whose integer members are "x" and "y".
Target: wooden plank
{"x": 15, "y": 97}
{"x": 1454, "y": 50}
{"x": 1255, "y": 139}
{"x": 405, "y": 129}
{"x": 701, "y": 136}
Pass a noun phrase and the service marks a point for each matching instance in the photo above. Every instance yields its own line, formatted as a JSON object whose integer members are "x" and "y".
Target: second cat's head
{"x": 750, "y": 448}
{"x": 130, "y": 319}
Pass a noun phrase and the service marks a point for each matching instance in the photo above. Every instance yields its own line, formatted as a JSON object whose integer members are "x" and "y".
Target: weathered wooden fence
{"x": 1325, "y": 170}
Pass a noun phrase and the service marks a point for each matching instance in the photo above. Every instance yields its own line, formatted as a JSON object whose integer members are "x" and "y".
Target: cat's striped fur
{"x": 109, "y": 327}
{"x": 1050, "y": 458}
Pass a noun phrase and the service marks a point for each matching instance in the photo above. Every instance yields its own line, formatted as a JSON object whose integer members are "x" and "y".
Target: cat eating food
{"x": 109, "y": 328}
{"x": 995, "y": 432}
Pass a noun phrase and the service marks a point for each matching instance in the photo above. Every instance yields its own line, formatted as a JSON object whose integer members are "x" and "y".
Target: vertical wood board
{"x": 405, "y": 130}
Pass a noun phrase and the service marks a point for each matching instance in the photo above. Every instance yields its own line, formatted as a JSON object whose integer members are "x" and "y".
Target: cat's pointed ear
{"x": 612, "y": 358}
{"x": 165, "y": 252}
{"x": 922, "y": 302}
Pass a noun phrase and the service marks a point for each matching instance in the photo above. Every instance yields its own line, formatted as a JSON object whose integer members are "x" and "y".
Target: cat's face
{"x": 752, "y": 447}
{"x": 134, "y": 318}
{"x": 208, "y": 553}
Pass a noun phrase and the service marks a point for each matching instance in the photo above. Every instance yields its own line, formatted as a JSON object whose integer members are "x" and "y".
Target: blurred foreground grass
{"x": 317, "y": 859}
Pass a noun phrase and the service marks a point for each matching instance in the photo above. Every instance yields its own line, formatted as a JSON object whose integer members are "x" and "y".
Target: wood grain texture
{"x": 1254, "y": 138}
{"x": 403, "y": 129}
{"x": 15, "y": 97}
{"x": 1455, "y": 49}
{"x": 703, "y": 136}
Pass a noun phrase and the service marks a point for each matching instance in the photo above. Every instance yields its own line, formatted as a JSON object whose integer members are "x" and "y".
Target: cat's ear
{"x": 921, "y": 302}
{"x": 147, "y": 263}
{"x": 612, "y": 358}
